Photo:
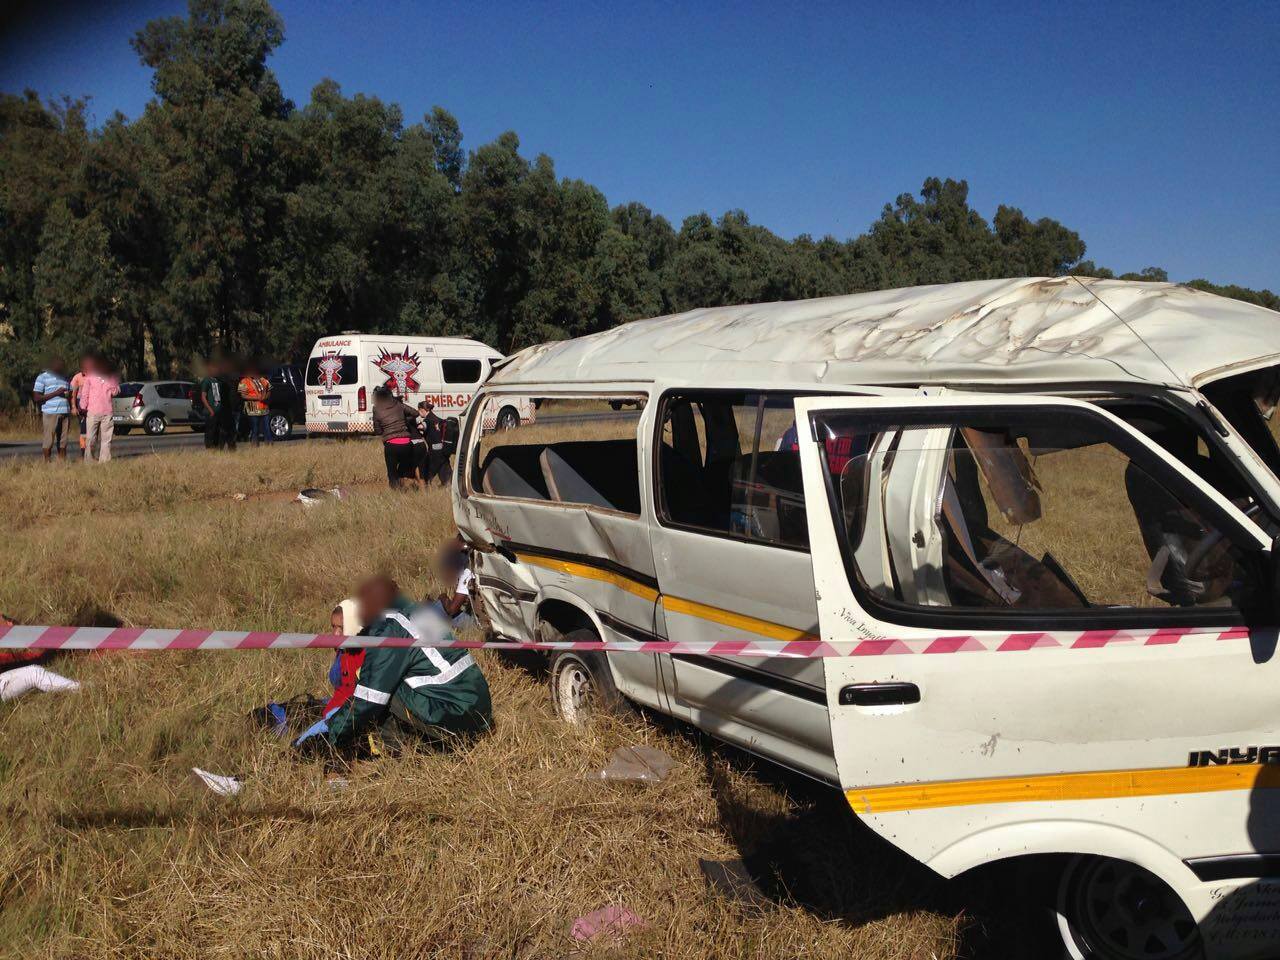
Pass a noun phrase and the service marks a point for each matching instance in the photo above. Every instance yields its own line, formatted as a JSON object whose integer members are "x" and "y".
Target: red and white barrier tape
{"x": 136, "y": 638}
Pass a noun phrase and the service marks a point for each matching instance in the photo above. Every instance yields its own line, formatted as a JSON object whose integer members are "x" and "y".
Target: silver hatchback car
{"x": 153, "y": 405}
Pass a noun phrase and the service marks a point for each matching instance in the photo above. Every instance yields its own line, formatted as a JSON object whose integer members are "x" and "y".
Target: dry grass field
{"x": 109, "y": 848}
{"x": 23, "y": 424}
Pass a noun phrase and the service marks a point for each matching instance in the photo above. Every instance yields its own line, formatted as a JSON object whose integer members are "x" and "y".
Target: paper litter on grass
{"x": 223, "y": 786}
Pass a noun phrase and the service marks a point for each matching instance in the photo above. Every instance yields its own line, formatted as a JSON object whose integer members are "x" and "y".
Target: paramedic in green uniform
{"x": 438, "y": 696}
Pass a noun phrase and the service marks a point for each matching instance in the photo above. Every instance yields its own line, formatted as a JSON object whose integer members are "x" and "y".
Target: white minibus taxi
{"x": 343, "y": 371}
{"x": 1034, "y": 518}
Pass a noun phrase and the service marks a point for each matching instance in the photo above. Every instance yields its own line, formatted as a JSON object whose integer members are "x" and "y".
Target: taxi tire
{"x": 508, "y": 419}
{"x": 1086, "y": 881}
{"x": 581, "y": 682}
{"x": 154, "y": 425}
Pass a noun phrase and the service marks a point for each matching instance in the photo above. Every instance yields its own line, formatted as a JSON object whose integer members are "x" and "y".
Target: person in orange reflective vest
{"x": 255, "y": 391}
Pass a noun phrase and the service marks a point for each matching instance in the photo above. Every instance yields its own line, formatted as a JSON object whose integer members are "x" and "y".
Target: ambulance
{"x": 343, "y": 371}
{"x": 1018, "y": 537}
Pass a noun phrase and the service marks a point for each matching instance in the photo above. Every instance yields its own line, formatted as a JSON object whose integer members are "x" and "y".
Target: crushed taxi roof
{"x": 1028, "y": 330}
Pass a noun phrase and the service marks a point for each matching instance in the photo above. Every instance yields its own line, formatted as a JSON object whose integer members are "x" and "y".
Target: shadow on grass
{"x": 823, "y": 859}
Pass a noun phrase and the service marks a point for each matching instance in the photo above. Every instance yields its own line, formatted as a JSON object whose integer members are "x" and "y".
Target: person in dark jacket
{"x": 433, "y": 427}
{"x": 396, "y": 422}
{"x": 435, "y": 696}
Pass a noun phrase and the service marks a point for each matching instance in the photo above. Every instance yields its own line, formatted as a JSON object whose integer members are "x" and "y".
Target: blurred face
{"x": 56, "y": 365}
{"x": 335, "y": 621}
{"x": 373, "y": 597}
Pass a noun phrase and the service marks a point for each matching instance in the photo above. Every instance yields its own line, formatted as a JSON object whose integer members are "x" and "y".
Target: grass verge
{"x": 109, "y": 848}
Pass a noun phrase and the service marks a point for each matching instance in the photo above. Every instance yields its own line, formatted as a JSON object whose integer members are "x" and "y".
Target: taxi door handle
{"x": 879, "y": 694}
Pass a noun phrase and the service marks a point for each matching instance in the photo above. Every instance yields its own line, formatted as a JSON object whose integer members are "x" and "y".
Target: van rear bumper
{"x": 338, "y": 426}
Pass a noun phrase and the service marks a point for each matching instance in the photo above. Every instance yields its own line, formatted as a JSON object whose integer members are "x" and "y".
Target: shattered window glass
{"x": 1027, "y": 514}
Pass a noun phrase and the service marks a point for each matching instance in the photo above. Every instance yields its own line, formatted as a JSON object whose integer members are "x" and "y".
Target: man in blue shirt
{"x": 51, "y": 391}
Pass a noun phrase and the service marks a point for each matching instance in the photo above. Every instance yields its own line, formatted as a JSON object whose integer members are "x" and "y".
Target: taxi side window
{"x": 579, "y": 451}
{"x": 1027, "y": 510}
{"x": 729, "y": 464}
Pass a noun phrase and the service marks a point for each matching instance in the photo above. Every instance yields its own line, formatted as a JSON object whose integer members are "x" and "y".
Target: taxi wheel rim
{"x": 574, "y": 691}
{"x": 1114, "y": 910}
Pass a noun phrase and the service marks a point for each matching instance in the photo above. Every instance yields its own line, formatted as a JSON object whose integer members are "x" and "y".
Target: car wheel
{"x": 581, "y": 685}
{"x": 508, "y": 419}
{"x": 197, "y": 428}
{"x": 154, "y": 424}
{"x": 279, "y": 426}
{"x": 1115, "y": 910}
{"x": 616, "y": 404}
{"x": 122, "y": 431}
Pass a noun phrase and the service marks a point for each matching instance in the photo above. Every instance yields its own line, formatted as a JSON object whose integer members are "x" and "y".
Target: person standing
{"x": 393, "y": 421}
{"x": 101, "y": 386}
{"x": 219, "y": 412}
{"x": 209, "y": 396}
{"x": 232, "y": 406}
{"x": 255, "y": 391}
{"x": 52, "y": 391}
{"x": 433, "y": 433}
{"x": 77, "y": 401}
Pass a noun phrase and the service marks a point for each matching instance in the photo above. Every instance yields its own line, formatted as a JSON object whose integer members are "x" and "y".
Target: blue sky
{"x": 1152, "y": 129}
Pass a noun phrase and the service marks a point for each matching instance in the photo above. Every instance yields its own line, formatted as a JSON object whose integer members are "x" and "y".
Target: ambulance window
{"x": 729, "y": 464}
{"x": 332, "y": 370}
{"x": 1026, "y": 510}
{"x": 460, "y": 371}
{"x": 578, "y": 451}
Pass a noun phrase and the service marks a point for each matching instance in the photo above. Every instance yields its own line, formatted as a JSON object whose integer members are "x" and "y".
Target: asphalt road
{"x": 134, "y": 445}
{"x": 181, "y": 438}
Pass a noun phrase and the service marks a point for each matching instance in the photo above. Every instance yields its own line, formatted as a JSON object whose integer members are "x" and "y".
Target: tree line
{"x": 226, "y": 217}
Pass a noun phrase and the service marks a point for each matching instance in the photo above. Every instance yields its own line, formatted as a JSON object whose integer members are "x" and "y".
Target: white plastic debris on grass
{"x": 638, "y": 764}
{"x": 313, "y": 495}
{"x": 222, "y": 786}
{"x": 14, "y": 683}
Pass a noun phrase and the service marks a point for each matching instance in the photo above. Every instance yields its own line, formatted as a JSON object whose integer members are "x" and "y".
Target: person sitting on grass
{"x": 305, "y": 710}
{"x": 433, "y": 696}
{"x": 454, "y": 568}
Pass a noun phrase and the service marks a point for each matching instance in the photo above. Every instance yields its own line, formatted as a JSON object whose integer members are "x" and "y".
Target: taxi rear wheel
{"x": 582, "y": 686}
{"x": 1115, "y": 910}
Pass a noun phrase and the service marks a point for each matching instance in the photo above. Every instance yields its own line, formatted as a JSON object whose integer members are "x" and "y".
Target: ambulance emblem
{"x": 330, "y": 367}
{"x": 401, "y": 369}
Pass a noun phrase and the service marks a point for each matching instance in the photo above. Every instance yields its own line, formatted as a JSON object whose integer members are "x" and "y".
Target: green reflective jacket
{"x": 440, "y": 687}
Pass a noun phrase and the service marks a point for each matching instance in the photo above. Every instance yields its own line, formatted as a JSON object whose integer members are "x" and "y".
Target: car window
{"x": 729, "y": 463}
{"x": 171, "y": 391}
{"x": 129, "y": 389}
{"x": 460, "y": 371}
{"x": 1023, "y": 510}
